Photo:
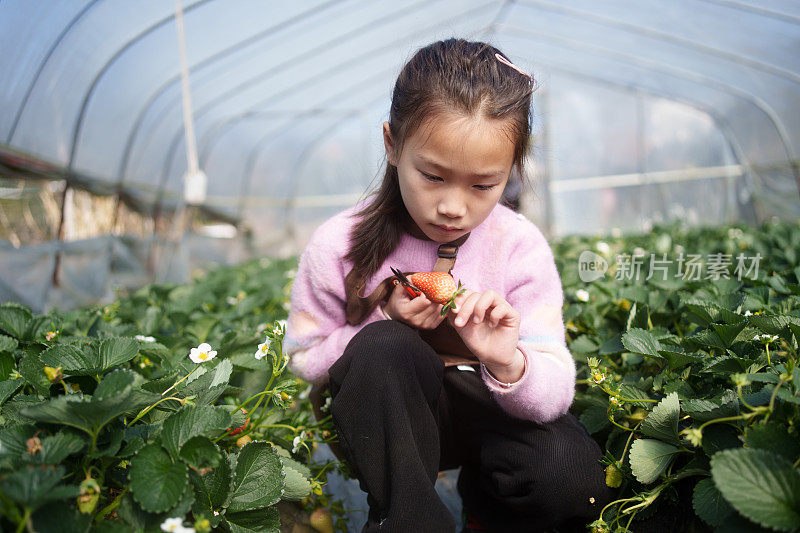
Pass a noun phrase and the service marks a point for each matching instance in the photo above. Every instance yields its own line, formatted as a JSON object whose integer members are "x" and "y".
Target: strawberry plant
{"x": 690, "y": 383}
{"x": 169, "y": 408}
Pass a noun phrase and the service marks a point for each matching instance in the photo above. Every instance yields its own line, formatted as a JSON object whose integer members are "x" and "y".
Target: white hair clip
{"x": 505, "y": 61}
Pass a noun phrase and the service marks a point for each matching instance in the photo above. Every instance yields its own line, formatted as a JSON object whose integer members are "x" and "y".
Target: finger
{"x": 501, "y": 313}
{"x": 465, "y": 311}
{"x": 399, "y": 292}
{"x": 487, "y": 300}
{"x": 460, "y": 299}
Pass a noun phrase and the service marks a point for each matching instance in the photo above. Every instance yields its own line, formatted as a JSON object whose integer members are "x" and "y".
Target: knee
{"x": 561, "y": 478}
{"x": 384, "y": 345}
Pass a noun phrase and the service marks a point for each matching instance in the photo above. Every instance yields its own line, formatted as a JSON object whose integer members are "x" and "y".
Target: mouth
{"x": 447, "y": 228}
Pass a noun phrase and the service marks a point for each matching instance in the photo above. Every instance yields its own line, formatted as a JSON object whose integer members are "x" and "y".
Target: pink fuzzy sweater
{"x": 506, "y": 253}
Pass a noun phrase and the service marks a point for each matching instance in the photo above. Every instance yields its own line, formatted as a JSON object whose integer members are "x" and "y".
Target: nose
{"x": 452, "y": 205}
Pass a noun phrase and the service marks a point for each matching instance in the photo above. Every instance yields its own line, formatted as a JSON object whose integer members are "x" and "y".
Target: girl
{"x": 487, "y": 388}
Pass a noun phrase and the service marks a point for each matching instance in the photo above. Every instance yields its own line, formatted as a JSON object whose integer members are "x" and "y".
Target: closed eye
{"x": 436, "y": 179}
{"x": 430, "y": 178}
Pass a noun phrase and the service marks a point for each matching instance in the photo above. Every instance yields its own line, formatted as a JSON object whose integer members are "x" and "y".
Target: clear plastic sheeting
{"x": 646, "y": 110}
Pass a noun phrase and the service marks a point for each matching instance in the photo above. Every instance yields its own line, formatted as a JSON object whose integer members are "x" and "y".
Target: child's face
{"x": 452, "y": 172}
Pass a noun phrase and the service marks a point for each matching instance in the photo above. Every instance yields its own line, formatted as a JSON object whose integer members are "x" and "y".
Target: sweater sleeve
{"x": 317, "y": 331}
{"x": 547, "y": 387}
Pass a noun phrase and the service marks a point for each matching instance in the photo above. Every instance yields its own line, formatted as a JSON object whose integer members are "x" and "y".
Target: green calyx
{"x": 451, "y": 303}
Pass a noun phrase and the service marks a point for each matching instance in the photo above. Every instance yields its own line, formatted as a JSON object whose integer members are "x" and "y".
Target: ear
{"x": 388, "y": 143}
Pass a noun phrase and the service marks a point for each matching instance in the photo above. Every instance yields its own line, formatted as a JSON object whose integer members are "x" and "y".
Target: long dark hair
{"x": 447, "y": 76}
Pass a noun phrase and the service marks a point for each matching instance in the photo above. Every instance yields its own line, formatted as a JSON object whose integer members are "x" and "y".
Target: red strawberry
{"x": 438, "y": 287}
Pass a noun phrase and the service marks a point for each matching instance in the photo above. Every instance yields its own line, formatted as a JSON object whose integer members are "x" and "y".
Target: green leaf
{"x": 642, "y": 342}
{"x": 35, "y": 486}
{"x": 8, "y": 388}
{"x": 210, "y": 385}
{"x": 56, "y": 448}
{"x": 13, "y": 441}
{"x": 37, "y": 328}
{"x": 632, "y": 394}
{"x": 192, "y": 421}
{"x": 75, "y": 359}
{"x": 718, "y": 437}
{"x": 7, "y": 364}
{"x": 773, "y": 437}
{"x": 116, "y": 351}
{"x": 61, "y": 516}
{"x": 258, "y": 521}
{"x": 13, "y": 319}
{"x": 82, "y": 360}
{"x": 258, "y": 480}
{"x": 649, "y": 458}
{"x": 287, "y": 460}
{"x": 157, "y": 482}
{"x": 8, "y": 344}
{"x": 201, "y": 327}
{"x": 772, "y": 324}
{"x": 200, "y": 452}
{"x": 594, "y": 419}
{"x": 583, "y": 345}
{"x": 761, "y": 485}
{"x": 296, "y": 485}
{"x": 709, "y": 504}
{"x": 213, "y": 490}
{"x": 662, "y": 422}
{"x": 703, "y": 410}
{"x": 725, "y": 364}
{"x": 677, "y": 359}
{"x": 113, "y": 397}
{"x": 32, "y": 370}
{"x": 612, "y": 346}
{"x": 728, "y": 332}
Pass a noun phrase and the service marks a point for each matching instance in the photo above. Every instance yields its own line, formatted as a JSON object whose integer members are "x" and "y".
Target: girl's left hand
{"x": 488, "y": 325}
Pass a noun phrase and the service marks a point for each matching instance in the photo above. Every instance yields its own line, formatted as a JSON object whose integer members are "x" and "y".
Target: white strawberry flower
{"x": 297, "y": 441}
{"x": 202, "y": 353}
{"x": 765, "y": 338}
{"x": 263, "y": 348}
{"x": 175, "y": 525}
{"x": 142, "y": 338}
{"x": 748, "y": 313}
{"x": 280, "y": 327}
{"x": 582, "y": 295}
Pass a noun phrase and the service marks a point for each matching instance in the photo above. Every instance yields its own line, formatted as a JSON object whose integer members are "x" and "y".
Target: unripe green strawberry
{"x": 613, "y": 476}
{"x": 438, "y": 287}
{"x": 54, "y": 375}
{"x": 322, "y": 521}
{"x": 90, "y": 493}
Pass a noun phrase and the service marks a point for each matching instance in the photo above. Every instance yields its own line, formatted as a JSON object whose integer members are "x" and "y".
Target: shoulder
{"x": 333, "y": 235}
{"x": 517, "y": 232}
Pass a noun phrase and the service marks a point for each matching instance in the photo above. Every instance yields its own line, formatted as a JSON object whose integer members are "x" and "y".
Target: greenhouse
{"x": 165, "y": 165}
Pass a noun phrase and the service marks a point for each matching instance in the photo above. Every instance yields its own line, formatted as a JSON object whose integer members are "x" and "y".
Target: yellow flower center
{"x": 264, "y": 349}
{"x": 203, "y": 356}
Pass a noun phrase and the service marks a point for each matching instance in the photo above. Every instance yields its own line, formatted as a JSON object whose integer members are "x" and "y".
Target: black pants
{"x": 402, "y": 417}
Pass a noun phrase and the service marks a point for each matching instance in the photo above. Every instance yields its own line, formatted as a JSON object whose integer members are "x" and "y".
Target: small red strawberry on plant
{"x": 438, "y": 287}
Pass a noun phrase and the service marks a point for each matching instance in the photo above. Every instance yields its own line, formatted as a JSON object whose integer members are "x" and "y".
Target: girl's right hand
{"x": 418, "y": 312}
